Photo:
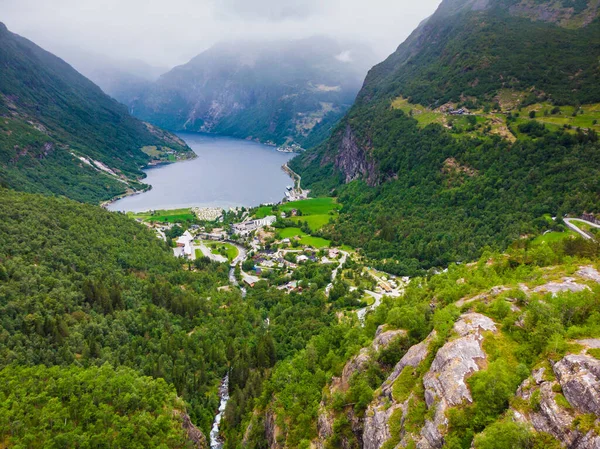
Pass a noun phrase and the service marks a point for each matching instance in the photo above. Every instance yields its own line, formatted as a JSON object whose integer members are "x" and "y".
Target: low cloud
{"x": 270, "y": 10}
{"x": 170, "y": 33}
{"x": 345, "y": 56}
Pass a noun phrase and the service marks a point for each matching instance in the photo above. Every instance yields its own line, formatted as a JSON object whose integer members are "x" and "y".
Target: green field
{"x": 315, "y": 242}
{"x": 315, "y": 222}
{"x": 165, "y": 216}
{"x": 586, "y": 116}
{"x": 312, "y": 206}
{"x": 263, "y": 211}
{"x": 582, "y": 225}
{"x": 305, "y": 239}
{"x": 287, "y": 233}
{"x": 224, "y": 249}
{"x": 552, "y": 237}
{"x": 368, "y": 300}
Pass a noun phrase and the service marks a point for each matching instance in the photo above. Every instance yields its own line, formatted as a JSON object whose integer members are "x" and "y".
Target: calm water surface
{"x": 227, "y": 173}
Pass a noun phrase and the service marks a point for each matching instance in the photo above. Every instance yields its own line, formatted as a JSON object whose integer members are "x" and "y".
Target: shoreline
{"x": 158, "y": 164}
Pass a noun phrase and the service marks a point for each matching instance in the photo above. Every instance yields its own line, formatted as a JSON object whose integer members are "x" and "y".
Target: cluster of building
{"x": 246, "y": 227}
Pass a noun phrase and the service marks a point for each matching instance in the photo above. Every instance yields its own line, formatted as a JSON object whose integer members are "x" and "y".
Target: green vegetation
{"x": 492, "y": 47}
{"x": 81, "y": 287}
{"x": 312, "y": 206}
{"x": 225, "y": 249}
{"x": 429, "y": 187}
{"x": 166, "y": 216}
{"x": 263, "y": 211}
{"x": 304, "y": 239}
{"x": 87, "y": 407}
{"x": 50, "y": 115}
{"x": 300, "y": 384}
{"x": 452, "y": 198}
{"x": 287, "y": 233}
{"x": 315, "y": 222}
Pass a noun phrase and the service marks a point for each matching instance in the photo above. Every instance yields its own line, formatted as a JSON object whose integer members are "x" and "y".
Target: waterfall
{"x": 215, "y": 440}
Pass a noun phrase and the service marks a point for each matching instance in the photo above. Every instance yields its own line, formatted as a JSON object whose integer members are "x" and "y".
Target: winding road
{"x": 334, "y": 273}
{"x": 573, "y": 226}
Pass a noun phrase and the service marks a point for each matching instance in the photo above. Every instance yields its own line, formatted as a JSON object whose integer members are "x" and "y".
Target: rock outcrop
{"x": 272, "y": 430}
{"x": 376, "y": 423}
{"x": 383, "y": 338}
{"x": 353, "y": 160}
{"x": 578, "y": 379}
{"x": 444, "y": 383}
{"x": 194, "y": 434}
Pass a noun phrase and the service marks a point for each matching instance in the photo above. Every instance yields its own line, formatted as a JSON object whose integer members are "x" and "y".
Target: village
{"x": 257, "y": 249}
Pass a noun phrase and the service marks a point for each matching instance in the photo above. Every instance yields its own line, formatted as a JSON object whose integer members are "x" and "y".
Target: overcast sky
{"x": 170, "y": 32}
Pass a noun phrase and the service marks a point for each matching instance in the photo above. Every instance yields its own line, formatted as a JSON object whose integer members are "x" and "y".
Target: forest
{"x": 297, "y": 395}
{"x": 452, "y": 197}
{"x": 82, "y": 288}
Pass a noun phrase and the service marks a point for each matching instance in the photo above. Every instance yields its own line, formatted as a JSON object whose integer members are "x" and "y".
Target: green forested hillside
{"x": 335, "y": 394}
{"x": 51, "y": 117}
{"x": 422, "y": 187}
{"x": 81, "y": 287}
{"x": 88, "y": 407}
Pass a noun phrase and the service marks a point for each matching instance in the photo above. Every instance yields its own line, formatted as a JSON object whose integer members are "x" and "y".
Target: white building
{"x": 252, "y": 225}
{"x": 185, "y": 242}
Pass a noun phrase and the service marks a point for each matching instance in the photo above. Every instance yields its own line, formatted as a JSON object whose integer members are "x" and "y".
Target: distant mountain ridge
{"x": 60, "y": 134}
{"x": 279, "y": 92}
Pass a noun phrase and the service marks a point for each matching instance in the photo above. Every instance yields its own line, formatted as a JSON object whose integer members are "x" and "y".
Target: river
{"x": 215, "y": 440}
{"x": 227, "y": 173}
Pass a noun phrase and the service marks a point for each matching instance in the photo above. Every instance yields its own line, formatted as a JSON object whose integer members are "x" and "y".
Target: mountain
{"x": 124, "y": 80}
{"x": 279, "y": 92}
{"x": 501, "y": 354}
{"x": 60, "y": 134}
{"x": 482, "y": 122}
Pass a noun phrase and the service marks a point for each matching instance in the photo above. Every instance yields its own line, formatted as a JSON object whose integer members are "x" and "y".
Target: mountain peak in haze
{"x": 284, "y": 91}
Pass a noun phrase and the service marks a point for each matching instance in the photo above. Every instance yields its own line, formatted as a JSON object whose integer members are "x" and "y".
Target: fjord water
{"x": 227, "y": 173}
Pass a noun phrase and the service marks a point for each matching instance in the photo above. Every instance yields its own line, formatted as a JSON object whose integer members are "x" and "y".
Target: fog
{"x": 167, "y": 33}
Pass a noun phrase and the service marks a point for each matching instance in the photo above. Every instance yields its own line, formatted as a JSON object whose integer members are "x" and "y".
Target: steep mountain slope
{"x": 59, "y": 133}
{"x": 500, "y": 354}
{"x": 464, "y": 130}
{"x": 280, "y": 92}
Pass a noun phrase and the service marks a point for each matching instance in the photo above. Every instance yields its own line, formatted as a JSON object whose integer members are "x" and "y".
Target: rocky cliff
{"x": 564, "y": 400}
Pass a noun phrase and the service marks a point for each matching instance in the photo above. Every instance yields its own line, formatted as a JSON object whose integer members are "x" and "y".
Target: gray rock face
{"x": 589, "y": 273}
{"x": 354, "y": 161}
{"x": 272, "y": 431}
{"x": 567, "y": 285}
{"x": 382, "y": 339}
{"x": 194, "y": 434}
{"x": 444, "y": 383}
{"x": 357, "y": 363}
{"x": 578, "y": 376}
{"x": 413, "y": 357}
{"x": 376, "y": 428}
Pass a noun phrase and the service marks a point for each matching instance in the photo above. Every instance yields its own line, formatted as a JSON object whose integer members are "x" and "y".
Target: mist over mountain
{"x": 277, "y": 91}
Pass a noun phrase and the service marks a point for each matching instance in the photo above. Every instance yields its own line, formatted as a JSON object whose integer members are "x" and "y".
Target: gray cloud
{"x": 271, "y": 10}
{"x": 164, "y": 33}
